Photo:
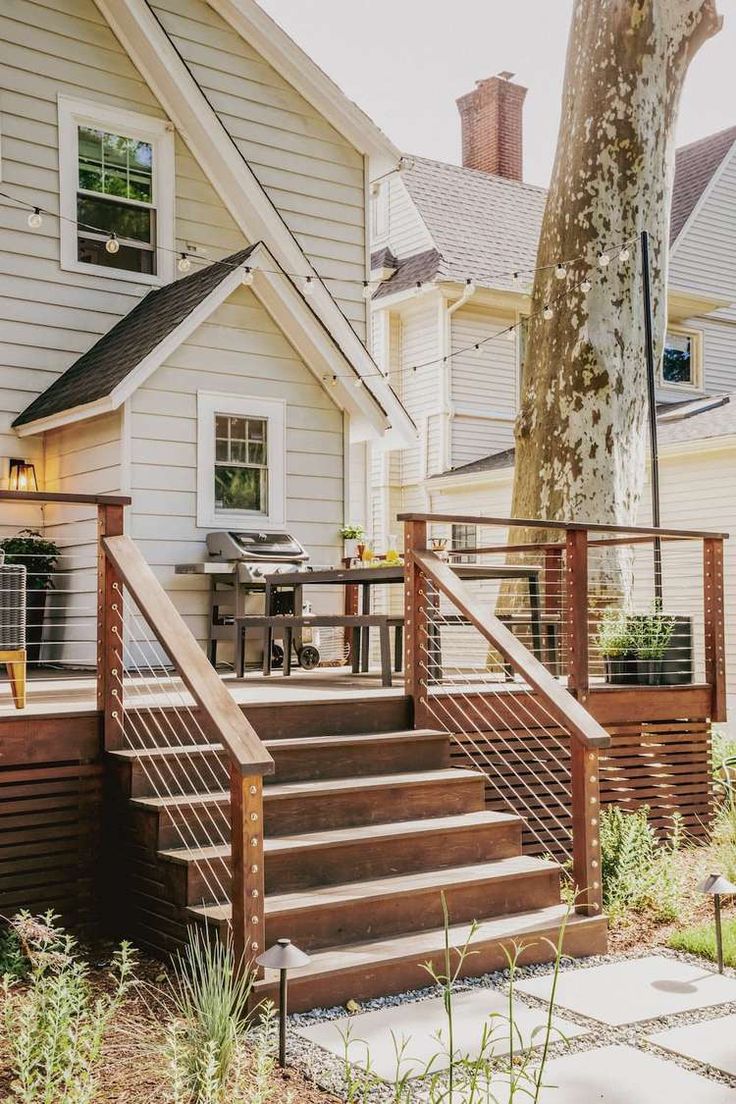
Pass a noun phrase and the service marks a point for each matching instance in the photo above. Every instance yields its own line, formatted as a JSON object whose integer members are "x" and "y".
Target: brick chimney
{"x": 491, "y": 117}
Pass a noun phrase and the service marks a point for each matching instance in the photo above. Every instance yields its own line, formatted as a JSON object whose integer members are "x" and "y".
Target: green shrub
{"x": 55, "y": 1026}
{"x": 211, "y": 1005}
{"x": 13, "y": 963}
{"x": 639, "y": 872}
{"x": 701, "y": 940}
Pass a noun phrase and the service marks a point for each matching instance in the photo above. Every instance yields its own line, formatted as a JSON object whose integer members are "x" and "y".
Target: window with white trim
{"x": 682, "y": 359}
{"x": 117, "y": 184}
{"x": 240, "y": 461}
{"x": 464, "y": 536}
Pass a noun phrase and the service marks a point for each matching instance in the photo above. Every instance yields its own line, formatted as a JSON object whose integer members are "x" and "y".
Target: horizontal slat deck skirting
{"x": 664, "y": 763}
{"x": 51, "y": 798}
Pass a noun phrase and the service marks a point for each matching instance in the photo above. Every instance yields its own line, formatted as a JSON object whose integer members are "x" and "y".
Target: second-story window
{"x": 682, "y": 360}
{"x": 464, "y": 536}
{"x": 117, "y": 185}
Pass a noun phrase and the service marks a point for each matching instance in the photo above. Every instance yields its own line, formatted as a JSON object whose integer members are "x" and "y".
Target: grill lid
{"x": 255, "y": 545}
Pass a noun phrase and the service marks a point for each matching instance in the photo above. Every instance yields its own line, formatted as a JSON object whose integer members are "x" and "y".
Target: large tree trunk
{"x": 581, "y": 431}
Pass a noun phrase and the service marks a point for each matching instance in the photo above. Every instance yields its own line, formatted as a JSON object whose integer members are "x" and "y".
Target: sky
{"x": 405, "y": 62}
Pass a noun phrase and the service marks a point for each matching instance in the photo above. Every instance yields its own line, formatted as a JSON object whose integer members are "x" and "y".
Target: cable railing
{"x": 506, "y": 661}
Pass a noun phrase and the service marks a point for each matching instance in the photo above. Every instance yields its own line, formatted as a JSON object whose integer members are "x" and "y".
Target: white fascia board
{"x": 153, "y": 53}
{"x": 288, "y": 59}
{"x": 66, "y": 417}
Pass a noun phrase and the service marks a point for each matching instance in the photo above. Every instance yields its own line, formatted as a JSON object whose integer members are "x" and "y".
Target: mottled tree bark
{"x": 581, "y": 432}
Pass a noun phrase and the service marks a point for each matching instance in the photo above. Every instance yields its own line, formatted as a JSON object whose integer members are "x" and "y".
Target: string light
{"x": 247, "y": 278}
{"x": 367, "y": 289}
{"x": 112, "y": 245}
{"x": 604, "y": 260}
{"x": 511, "y": 333}
{"x": 585, "y": 286}
{"x": 35, "y": 219}
{"x": 469, "y": 287}
{"x": 184, "y": 264}
{"x": 418, "y": 287}
{"x": 560, "y": 271}
{"x": 477, "y": 349}
{"x": 309, "y": 286}
{"x": 624, "y": 254}
{"x": 358, "y": 381}
{"x": 515, "y": 278}
{"x": 548, "y": 313}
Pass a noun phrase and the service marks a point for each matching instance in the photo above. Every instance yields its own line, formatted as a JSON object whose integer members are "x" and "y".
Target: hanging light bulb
{"x": 560, "y": 271}
{"x": 469, "y": 287}
{"x": 510, "y": 334}
{"x": 585, "y": 286}
{"x": 358, "y": 381}
{"x": 548, "y": 313}
{"x": 604, "y": 260}
{"x": 477, "y": 349}
{"x": 184, "y": 264}
{"x": 247, "y": 276}
{"x": 35, "y": 219}
{"x": 367, "y": 289}
{"x": 333, "y": 381}
{"x": 418, "y": 287}
{"x": 112, "y": 245}
{"x": 624, "y": 254}
{"x": 515, "y": 278}
{"x": 308, "y": 286}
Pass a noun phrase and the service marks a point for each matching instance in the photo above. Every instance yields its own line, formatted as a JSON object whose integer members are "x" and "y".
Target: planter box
{"x": 622, "y": 670}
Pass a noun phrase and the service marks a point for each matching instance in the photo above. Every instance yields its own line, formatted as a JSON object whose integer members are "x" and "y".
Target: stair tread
{"x": 390, "y": 886}
{"x": 362, "y": 833}
{"x": 320, "y": 786}
{"x": 408, "y": 735}
{"x": 419, "y": 946}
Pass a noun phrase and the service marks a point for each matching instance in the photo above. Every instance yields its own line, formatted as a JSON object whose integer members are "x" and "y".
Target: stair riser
{"x": 206, "y": 772}
{"x": 333, "y": 925}
{"x": 354, "y": 860}
{"x": 383, "y": 978}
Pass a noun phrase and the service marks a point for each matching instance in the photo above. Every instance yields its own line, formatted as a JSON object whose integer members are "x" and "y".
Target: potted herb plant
{"x": 40, "y": 557}
{"x": 352, "y": 536}
{"x": 651, "y": 634}
{"x": 617, "y": 646}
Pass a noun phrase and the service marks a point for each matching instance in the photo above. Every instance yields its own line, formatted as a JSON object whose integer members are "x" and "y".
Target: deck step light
{"x": 716, "y": 886}
{"x": 283, "y": 956}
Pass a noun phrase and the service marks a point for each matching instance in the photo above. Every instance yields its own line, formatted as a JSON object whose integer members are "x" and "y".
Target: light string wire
{"x": 514, "y": 274}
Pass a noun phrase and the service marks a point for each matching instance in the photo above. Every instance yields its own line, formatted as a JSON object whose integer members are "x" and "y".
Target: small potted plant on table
{"x": 352, "y": 536}
{"x": 40, "y": 557}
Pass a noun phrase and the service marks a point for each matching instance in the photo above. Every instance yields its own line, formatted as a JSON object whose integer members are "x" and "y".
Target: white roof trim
{"x": 270, "y": 40}
{"x": 704, "y": 197}
{"x": 153, "y": 53}
{"x": 298, "y": 323}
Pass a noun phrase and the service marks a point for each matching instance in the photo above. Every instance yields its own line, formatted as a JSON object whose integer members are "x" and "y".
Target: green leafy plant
{"x": 351, "y": 531}
{"x": 650, "y": 634}
{"x": 39, "y": 555}
{"x": 211, "y": 1004}
{"x": 614, "y": 638}
{"x": 54, "y": 1025}
{"x": 639, "y": 871}
{"x": 13, "y": 963}
{"x": 253, "y": 1078}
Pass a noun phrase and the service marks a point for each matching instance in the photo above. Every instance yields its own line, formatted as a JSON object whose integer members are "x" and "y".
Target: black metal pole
{"x": 651, "y": 392}
{"x": 719, "y": 932}
{"x": 282, "y": 1018}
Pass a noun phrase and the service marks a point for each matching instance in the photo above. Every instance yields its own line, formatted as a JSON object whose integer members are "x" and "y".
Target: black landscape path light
{"x": 716, "y": 886}
{"x": 282, "y": 956}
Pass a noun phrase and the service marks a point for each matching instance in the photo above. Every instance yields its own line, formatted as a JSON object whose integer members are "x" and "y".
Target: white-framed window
{"x": 682, "y": 362}
{"x": 116, "y": 178}
{"x": 464, "y": 536}
{"x": 240, "y": 461}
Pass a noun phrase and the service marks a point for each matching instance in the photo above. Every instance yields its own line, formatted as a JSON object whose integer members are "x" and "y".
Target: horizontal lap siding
{"x": 240, "y": 352}
{"x": 702, "y": 259}
{"x": 312, "y": 175}
{"x": 405, "y": 232}
{"x": 484, "y": 386}
{"x": 49, "y": 316}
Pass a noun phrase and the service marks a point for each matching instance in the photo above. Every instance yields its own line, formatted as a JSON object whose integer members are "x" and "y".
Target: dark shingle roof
{"x": 695, "y": 165}
{"x": 497, "y": 461}
{"x": 98, "y": 371}
{"x": 414, "y": 270}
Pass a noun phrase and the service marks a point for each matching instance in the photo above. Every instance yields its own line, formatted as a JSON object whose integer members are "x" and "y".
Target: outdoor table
{"x": 393, "y": 574}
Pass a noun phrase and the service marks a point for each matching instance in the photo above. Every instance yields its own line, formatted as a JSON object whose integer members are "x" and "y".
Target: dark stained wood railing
{"x": 120, "y": 566}
{"x": 564, "y": 572}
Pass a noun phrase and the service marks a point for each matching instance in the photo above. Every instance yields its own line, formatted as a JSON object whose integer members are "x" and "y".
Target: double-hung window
{"x": 116, "y": 192}
{"x": 682, "y": 360}
{"x": 240, "y": 461}
{"x": 464, "y": 536}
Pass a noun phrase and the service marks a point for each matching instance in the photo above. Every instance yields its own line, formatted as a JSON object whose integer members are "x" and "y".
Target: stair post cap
{"x": 283, "y": 956}
{"x": 717, "y": 885}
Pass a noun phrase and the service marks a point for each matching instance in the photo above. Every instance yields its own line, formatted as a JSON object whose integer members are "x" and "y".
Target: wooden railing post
{"x": 110, "y": 523}
{"x": 576, "y": 620}
{"x": 586, "y": 848}
{"x": 248, "y": 885}
{"x": 713, "y": 624}
{"x": 416, "y": 636}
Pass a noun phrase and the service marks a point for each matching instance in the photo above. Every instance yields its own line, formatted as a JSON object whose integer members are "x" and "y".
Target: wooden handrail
{"x": 563, "y": 526}
{"x": 202, "y": 681}
{"x": 560, "y": 703}
{"x": 62, "y": 496}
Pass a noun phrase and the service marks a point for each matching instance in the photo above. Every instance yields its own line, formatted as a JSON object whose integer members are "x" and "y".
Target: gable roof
{"x": 111, "y": 359}
{"x": 484, "y": 225}
{"x": 695, "y": 166}
{"x": 124, "y": 358}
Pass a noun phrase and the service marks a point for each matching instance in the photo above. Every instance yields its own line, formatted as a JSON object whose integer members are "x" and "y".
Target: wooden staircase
{"x": 363, "y": 833}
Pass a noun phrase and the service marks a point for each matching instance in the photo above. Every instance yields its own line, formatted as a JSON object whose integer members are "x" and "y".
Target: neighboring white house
{"x": 443, "y": 234}
{"x": 186, "y": 320}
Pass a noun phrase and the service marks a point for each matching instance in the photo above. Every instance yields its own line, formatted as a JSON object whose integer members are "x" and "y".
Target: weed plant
{"x": 640, "y": 872}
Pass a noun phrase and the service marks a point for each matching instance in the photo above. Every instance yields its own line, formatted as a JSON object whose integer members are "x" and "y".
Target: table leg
{"x": 398, "y": 648}
{"x": 385, "y": 654}
{"x": 355, "y": 650}
{"x": 267, "y": 649}
{"x": 287, "y": 651}
{"x": 536, "y": 612}
{"x": 239, "y": 645}
{"x": 365, "y": 649}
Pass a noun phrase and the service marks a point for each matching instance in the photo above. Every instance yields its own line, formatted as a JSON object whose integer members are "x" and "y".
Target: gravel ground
{"x": 329, "y": 1073}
